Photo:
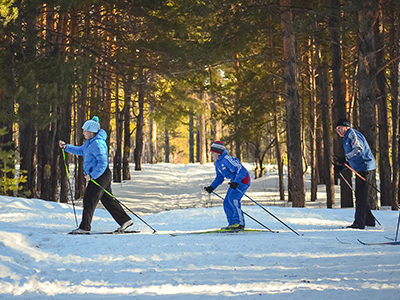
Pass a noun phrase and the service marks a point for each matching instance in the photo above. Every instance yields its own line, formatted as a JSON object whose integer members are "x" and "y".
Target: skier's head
{"x": 92, "y": 125}
{"x": 216, "y": 149}
{"x": 342, "y": 126}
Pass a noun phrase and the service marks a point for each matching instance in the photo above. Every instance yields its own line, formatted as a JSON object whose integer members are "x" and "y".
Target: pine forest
{"x": 269, "y": 78}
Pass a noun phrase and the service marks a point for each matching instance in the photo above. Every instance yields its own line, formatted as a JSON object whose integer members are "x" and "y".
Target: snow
{"x": 39, "y": 260}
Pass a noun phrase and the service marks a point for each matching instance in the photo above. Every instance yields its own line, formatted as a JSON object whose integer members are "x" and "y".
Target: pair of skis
{"x": 211, "y": 231}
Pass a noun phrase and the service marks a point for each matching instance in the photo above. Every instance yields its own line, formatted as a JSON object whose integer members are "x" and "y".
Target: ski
{"x": 107, "y": 232}
{"x": 380, "y": 243}
{"x": 342, "y": 242}
{"x": 221, "y": 231}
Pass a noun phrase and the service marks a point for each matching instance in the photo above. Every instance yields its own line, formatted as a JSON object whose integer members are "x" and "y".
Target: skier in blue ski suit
{"x": 230, "y": 167}
{"x": 95, "y": 166}
{"x": 359, "y": 157}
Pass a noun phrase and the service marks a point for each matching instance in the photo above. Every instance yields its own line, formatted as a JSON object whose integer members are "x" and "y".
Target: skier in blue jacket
{"x": 230, "y": 167}
{"x": 95, "y": 166}
{"x": 359, "y": 157}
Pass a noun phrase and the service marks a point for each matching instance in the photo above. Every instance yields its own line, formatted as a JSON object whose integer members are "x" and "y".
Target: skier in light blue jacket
{"x": 95, "y": 166}
{"x": 230, "y": 167}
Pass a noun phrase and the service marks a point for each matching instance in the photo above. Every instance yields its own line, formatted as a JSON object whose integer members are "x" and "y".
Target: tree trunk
{"x": 385, "y": 174}
{"x": 140, "y": 122}
{"x": 346, "y": 194}
{"x": 394, "y": 79}
{"x": 27, "y": 130}
{"x": 82, "y": 108}
{"x": 310, "y": 88}
{"x": 367, "y": 83}
{"x": 153, "y": 135}
{"x": 117, "y": 159}
{"x": 202, "y": 139}
{"x": 191, "y": 138}
{"x": 238, "y": 151}
{"x": 296, "y": 184}
{"x": 126, "y": 175}
{"x": 166, "y": 139}
{"x": 326, "y": 122}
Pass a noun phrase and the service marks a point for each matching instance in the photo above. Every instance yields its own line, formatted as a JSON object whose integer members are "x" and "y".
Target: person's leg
{"x": 228, "y": 208}
{"x": 361, "y": 202}
{"x": 233, "y": 198}
{"x": 369, "y": 217}
{"x": 90, "y": 200}
{"x": 111, "y": 204}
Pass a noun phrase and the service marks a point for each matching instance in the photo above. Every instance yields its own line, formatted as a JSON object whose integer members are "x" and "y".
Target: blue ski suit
{"x": 230, "y": 167}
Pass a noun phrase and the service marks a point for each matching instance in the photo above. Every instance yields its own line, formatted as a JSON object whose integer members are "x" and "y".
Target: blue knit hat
{"x": 92, "y": 125}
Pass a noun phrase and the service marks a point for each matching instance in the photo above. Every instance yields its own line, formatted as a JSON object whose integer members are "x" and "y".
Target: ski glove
{"x": 209, "y": 189}
{"x": 338, "y": 168}
{"x": 234, "y": 185}
{"x": 340, "y": 159}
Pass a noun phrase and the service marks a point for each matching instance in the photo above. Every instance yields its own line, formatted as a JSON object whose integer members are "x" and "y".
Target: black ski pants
{"x": 363, "y": 214}
{"x": 95, "y": 193}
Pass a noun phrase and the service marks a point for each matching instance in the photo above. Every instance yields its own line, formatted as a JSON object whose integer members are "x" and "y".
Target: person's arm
{"x": 355, "y": 144}
{"x": 218, "y": 179}
{"x": 76, "y": 150}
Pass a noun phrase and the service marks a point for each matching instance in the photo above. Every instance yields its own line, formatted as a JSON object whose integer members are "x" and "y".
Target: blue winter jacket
{"x": 229, "y": 167}
{"x": 95, "y": 154}
{"x": 357, "y": 151}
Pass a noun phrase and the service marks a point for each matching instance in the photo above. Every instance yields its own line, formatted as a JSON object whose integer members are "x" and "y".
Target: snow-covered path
{"x": 38, "y": 260}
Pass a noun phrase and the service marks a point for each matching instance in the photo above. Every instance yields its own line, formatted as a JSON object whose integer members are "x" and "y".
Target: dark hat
{"x": 218, "y": 147}
{"x": 343, "y": 122}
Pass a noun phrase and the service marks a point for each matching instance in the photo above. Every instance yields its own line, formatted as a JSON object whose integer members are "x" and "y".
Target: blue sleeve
{"x": 76, "y": 150}
{"x": 218, "y": 179}
{"x": 100, "y": 154}
{"x": 355, "y": 143}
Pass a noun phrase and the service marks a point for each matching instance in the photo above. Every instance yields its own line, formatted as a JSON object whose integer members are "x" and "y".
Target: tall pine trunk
{"x": 367, "y": 82}
{"x": 126, "y": 175}
{"x": 191, "y": 138}
{"x": 385, "y": 174}
{"x": 326, "y": 123}
{"x": 140, "y": 122}
{"x": 166, "y": 147}
{"x": 346, "y": 194}
{"x": 310, "y": 87}
{"x": 296, "y": 181}
{"x": 117, "y": 159}
{"x": 394, "y": 79}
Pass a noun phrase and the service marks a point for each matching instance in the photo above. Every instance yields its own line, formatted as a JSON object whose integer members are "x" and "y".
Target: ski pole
{"x": 69, "y": 186}
{"x": 268, "y": 212}
{"x": 348, "y": 184}
{"x": 397, "y": 230}
{"x": 362, "y": 178}
{"x": 246, "y": 214}
{"x": 112, "y": 196}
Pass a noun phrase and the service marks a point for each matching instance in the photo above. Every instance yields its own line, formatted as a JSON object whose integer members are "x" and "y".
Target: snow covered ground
{"x": 39, "y": 260}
